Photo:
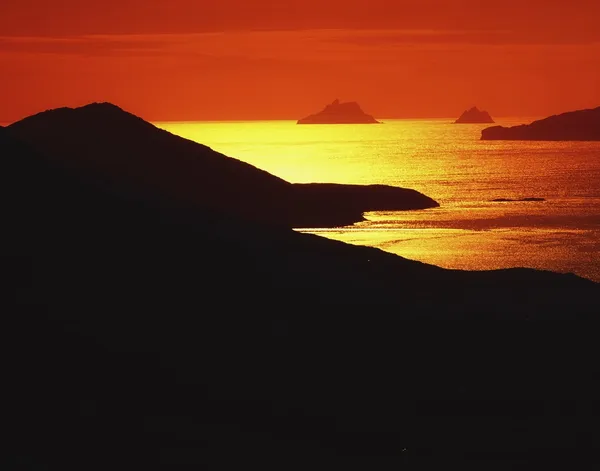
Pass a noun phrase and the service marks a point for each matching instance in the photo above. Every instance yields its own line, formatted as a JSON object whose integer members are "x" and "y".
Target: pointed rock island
{"x": 581, "y": 125}
{"x": 340, "y": 113}
{"x": 474, "y": 116}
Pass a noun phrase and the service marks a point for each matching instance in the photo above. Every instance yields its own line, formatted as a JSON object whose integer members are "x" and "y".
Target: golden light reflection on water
{"x": 299, "y": 154}
{"x": 566, "y": 251}
{"x": 449, "y": 163}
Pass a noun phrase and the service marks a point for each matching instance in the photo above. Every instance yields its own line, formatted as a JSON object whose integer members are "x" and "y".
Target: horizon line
{"x": 240, "y": 120}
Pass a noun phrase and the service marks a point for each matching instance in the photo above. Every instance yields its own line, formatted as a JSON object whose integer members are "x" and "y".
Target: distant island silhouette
{"x": 340, "y": 113}
{"x": 155, "y": 318}
{"x": 474, "y": 116}
{"x": 580, "y": 125}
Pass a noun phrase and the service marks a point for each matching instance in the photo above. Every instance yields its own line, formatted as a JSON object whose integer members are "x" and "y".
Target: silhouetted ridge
{"x": 122, "y": 151}
{"x": 99, "y": 113}
{"x": 127, "y": 153}
{"x": 581, "y": 125}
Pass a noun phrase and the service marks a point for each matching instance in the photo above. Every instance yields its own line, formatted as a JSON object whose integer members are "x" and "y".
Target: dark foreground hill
{"x": 146, "y": 333}
{"x": 124, "y": 152}
{"x": 581, "y": 125}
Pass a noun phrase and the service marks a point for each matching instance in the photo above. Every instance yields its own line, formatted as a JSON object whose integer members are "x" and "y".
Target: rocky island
{"x": 474, "y": 116}
{"x": 580, "y": 125}
{"x": 340, "y": 113}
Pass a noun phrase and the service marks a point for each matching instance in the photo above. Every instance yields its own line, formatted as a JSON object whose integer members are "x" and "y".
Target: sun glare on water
{"x": 297, "y": 153}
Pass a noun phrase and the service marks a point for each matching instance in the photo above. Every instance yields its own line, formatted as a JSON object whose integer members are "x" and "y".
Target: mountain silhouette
{"x": 474, "y": 116}
{"x": 122, "y": 151}
{"x": 581, "y": 125}
{"x": 340, "y": 113}
{"x": 157, "y": 334}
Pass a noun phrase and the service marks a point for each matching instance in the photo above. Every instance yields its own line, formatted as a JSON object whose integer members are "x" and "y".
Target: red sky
{"x": 268, "y": 59}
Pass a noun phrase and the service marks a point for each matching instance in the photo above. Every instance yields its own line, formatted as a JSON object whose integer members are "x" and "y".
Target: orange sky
{"x": 268, "y": 59}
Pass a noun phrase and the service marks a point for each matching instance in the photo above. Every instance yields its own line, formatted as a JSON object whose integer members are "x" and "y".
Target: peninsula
{"x": 130, "y": 154}
{"x": 580, "y": 125}
{"x": 340, "y": 113}
{"x": 474, "y": 116}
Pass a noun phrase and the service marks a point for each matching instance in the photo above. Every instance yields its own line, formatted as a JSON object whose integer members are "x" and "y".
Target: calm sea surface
{"x": 449, "y": 163}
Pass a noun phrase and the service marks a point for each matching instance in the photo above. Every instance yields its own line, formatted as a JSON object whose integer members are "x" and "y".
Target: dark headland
{"x": 474, "y": 116}
{"x": 154, "y": 318}
{"x": 340, "y": 113}
{"x": 108, "y": 144}
{"x": 581, "y": 125}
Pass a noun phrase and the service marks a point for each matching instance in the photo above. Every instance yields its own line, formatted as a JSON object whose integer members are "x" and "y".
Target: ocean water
{"x": 449, "y": 163}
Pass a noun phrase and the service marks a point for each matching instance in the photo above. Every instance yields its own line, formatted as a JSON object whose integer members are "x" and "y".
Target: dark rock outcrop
{"x": 121, "y": 151}
{"x": 581, "y": 125}
{"x": 499, "y": 200}
{"x": 155, "y": 334}
{"x": 474, "y": 116}
{"x": 340, "y": 113}
{"x": 339, "y": 204}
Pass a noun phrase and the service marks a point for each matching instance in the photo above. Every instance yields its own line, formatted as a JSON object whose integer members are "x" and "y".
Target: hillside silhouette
{"x": 127, "y": 153}
{"x": 150, "y": 332}
{"x": 581, "y": 125}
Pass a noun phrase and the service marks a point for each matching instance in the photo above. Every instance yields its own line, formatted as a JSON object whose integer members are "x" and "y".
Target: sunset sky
{"x": 269, "y": 59}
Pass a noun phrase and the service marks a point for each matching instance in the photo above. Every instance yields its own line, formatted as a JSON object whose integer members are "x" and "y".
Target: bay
{"x": 449, "y": 163}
